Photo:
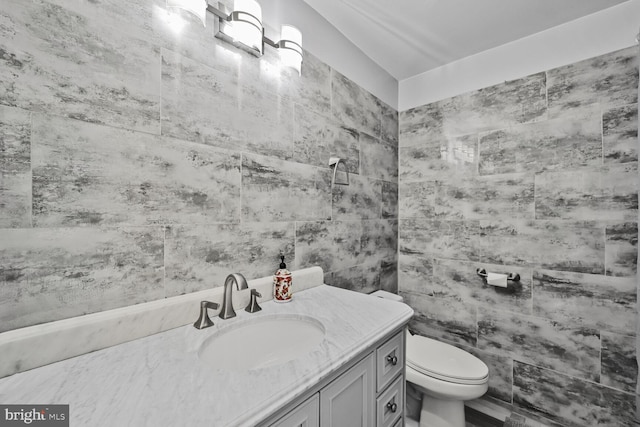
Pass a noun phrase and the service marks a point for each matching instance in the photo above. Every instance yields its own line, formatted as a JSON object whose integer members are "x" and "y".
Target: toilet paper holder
{"x": 512, "y": 277}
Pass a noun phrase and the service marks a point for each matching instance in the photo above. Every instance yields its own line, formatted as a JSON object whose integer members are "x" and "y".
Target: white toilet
{"x": 445, "y": 375}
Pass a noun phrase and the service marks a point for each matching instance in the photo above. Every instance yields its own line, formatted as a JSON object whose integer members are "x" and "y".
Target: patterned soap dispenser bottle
{"x": 282, "y": 291}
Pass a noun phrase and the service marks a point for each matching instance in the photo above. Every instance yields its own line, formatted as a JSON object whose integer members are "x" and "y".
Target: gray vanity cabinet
{"x": 368, "y": 392}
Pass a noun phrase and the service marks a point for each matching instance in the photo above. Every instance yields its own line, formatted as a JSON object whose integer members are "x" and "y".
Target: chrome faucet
{"x": 227, "y": 310}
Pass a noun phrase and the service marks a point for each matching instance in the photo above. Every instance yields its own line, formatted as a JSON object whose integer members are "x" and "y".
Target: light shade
{"x": 197, "y": 7}
{"x": 290, "y": 47}
{"x": 246, "y": 24}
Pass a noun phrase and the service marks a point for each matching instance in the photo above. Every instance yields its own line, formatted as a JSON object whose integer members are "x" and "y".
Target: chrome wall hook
{"x": 335, "y": 162}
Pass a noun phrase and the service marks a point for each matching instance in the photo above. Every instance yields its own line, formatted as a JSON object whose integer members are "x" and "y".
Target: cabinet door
{"x": 305, "y": 415}
{"x": 350, "y": 399}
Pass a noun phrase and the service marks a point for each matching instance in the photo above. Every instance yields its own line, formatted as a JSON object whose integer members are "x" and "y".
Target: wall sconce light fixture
{"x": 243, "y": 28}
{"x": 290, "y": 47}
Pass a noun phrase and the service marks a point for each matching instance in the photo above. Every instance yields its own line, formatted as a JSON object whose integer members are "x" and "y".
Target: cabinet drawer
{"x": 390, "y": 404}
{"x": 389, "y": 360}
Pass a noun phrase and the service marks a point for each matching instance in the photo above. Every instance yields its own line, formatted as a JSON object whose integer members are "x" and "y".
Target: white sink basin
{"x": 261, "y": 342}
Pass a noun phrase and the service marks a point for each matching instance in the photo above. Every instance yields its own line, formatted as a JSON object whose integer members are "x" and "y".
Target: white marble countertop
{"x": 160, "y": 381}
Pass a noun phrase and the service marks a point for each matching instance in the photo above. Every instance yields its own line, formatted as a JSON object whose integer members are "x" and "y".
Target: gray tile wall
{"x": 138, "y": 163}
{"x": 539, "y": 177}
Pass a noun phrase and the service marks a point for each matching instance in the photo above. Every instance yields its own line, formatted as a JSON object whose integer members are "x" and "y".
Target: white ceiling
{"x": 409, "y": 37}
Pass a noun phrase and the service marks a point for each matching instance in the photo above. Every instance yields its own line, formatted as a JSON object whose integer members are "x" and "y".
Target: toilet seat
{"x": 444, "y": 361}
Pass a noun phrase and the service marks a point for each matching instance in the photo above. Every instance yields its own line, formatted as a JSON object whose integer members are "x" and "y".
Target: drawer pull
{"x": 392, "y": 406}
{"x": 392, "y": 359}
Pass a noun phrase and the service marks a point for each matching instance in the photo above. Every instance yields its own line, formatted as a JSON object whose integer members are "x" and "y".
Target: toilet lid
{"x": 444, "y": 362}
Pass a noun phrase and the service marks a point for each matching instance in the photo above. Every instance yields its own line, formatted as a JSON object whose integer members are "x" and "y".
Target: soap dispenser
{"x": 282, "y": 283}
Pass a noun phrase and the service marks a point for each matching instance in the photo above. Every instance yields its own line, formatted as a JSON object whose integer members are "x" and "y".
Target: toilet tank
{"x": 387, "y": 295}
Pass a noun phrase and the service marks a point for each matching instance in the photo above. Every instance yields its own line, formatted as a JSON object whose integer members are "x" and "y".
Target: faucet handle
{"x": 204, "y": 321}
{"x": 253, "y": 306}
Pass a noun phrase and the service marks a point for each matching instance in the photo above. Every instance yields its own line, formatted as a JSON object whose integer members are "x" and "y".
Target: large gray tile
{"x": 571, "y": 141}
{"x": 610, "y": 79}
{"x": 608, "y": 193}
{"x": 52, "y": 274}
{"x": 313, "y": 88}
{"x": 389, "y": 199}
{"x": 602, "y": 302}
{"x": 455, "y": 285}
{"x": 498, "y": 196}
{"x": 569, "y": 400}
{"x": 353, "y": 106}
{"x": 15, "y": 168}
{"x": 621, "y": 249}
{"x": 345, "y": 144}
{"x": 313, "y": 138}
{"x": 556, "y": 245}
{"x": 444, "y": 318}
{"x": 619, "y": 365}
{"x": 389, "y": 274}
{"x": 423, "y": 163}
{"x": 378, "y": 159}
{"x": 460, "y": 154}
{"x": 565, "y": 347}
{"x": 379, "y": 240}
{"x": 620, "y": 134}
{"x": 67, "y": 60}
{"x": 417, "y": 199}
{"x": 364, "y": 278}
{"x": 415, "y": 273}
{"x": 333, "y": 245}
{"x": 87, "y": 174}
{"x": 278, "y": 190}
{"x": 200, "y": 257}
{"x": 361, "y": 199}
{"x": 496, "y": 107}
{"x": 442, "y": 239}
{"x": 420, "y": 124}
{"x": 448, "y": 157}
{"x": 205, "y": 105}
{"x": 388, "y": 124}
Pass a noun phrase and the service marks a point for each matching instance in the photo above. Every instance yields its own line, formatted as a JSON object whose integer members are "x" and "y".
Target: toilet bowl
{"x": 445, "y": 375}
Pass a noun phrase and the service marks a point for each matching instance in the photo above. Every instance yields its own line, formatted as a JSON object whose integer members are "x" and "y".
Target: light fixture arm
{"x": 220, "y": 14}
{"x": 270, "y": 42}
{"x": 289, "y": 44}
{"x": 282, "y": 44}
{"x": 253, "y": 40}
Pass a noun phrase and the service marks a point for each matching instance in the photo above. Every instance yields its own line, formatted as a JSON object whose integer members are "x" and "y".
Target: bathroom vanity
{"x": 369, "y": 391}
{"x": 354, "y": 372}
